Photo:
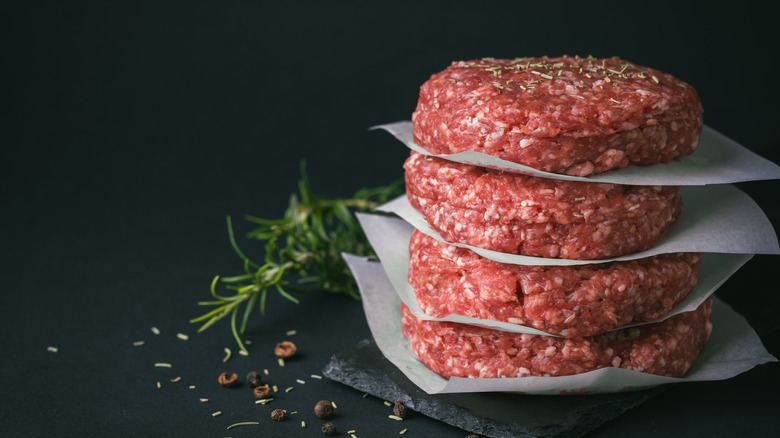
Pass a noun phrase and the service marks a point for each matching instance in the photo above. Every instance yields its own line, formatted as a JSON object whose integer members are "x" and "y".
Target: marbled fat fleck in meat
{"x": 449, "y": 349}
{"x": 535, "y": 216}
{"x": 568, "y": 115}
{"x": 569, "y": 301}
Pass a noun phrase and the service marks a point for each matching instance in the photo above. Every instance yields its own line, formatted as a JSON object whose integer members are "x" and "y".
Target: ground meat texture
{"x": 568, "y": 115}
{"x": 533, "y": 216}
{"x": 449, "y": 349}
{"x": 568, "y": 301}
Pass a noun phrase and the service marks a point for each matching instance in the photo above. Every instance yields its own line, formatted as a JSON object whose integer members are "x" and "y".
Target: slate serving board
{"x": 496, "y": 415}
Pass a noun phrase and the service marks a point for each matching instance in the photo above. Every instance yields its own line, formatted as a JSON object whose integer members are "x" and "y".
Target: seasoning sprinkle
{"x": 138, "y": 343}
{"x": 261, "y": 391}
{"x": 276, "y": 388}
{"x": 580, "y": 199}
{"x": 323, "y": 409}
{"x": 395, "y": 417}
{"x": 387, "y": 403}
{"x": 402, "y": 432}
{"x": 334, "y": 405}
{"x": 182, "y": 336}
{"x": 216, "y": 414}
{"x": 203, "y": 400}
{"x": 614, "y": 100}
{"x": 243, "y": 423}
{"x": 278, "y": 414}
{"x": 302, "y": 382}
{"x": 303, "y": 424}
{"x": 163, "y": 365}
{"x": 264, "y": 401}
{"x": 192, "y": 386}
{"x": 328, "y": 429}
{"x": 52, "y": 349}
{"x": 655, "y": 79}
{"x": 155, "y": 330}
{"x": 292, "y": 332}
{"x": 365, "y": 394}
{"x": 289, "y": 388}
{"x": 265, "y": 371}
{"x": 228, "y": 353}
{"x": 281, "y": 362}
{"x": 243, "y": 352}
{"x": 159, "y": 385}
{"x": 176, "y": 379}
{"x": 227, "y": 379}
{"x": 400, "y": 410}
{"x": 316, "y": 376}
{"x": 254, "y": 379}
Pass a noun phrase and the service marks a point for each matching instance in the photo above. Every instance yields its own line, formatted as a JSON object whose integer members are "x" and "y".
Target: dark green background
{"x": 130, "y": 130}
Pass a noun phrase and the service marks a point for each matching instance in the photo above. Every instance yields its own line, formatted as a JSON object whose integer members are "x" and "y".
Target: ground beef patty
{"x": 449, "y": 349}
{"x": 569, "y": 301}
{"x": 569, "y": 115}
{"x": 533, "y": 216}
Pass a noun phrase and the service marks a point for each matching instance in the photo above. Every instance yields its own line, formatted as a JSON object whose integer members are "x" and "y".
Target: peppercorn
{"x": 400, "y": 410}
{"x": 323, "y": 409}
{"x": 261, "y": 391}
{"x": 278, "y": 414}
{"x": 254, "y": 379}
{"x": 329, "y": 429}
{"x": 285, "y": 349}
{"x": 227, "y": 380}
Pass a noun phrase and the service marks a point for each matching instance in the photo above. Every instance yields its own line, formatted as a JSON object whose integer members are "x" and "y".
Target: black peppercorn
{"x": 323, "y": 409}
{"x": 329, "y": 429}
{"x": 400, "y": 410}
{"x": 278, "y": 414}
{"x": 254, "y": 379}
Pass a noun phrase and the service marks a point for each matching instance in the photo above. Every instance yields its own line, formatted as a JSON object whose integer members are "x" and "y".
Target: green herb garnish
{"x": 302, "y": 252}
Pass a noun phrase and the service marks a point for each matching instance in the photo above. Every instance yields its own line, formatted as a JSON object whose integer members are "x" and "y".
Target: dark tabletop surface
{"x": 131, "y": 131}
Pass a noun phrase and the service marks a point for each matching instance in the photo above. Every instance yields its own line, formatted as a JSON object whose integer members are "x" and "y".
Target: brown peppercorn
{"x": 261, "y": 391}
{"x": 400, "y": 410}
{"x": 323, "y": 409}
{"x": 278, "y": 414}
{"x": 329, "y": 429}
{"x": 254, "y": 379}
{"x": 285, "y": 349}
{"x": 228, "y": 379}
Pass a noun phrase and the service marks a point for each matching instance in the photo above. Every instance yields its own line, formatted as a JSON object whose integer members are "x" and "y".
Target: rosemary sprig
{"x": 302, "y": 252}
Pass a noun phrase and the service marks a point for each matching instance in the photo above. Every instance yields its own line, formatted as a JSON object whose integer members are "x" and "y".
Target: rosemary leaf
{"x": 302, "y": 252}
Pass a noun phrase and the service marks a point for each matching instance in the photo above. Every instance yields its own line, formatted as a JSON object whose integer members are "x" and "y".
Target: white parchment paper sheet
{"x": 390, "y": 239}
{"x": 716, "y": 219}
{"x": 717, "y": 160}
{"x": 733, "y": 349}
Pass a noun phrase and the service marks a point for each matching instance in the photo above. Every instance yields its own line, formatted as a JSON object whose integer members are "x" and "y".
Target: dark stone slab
{"x": 498, "y": 415}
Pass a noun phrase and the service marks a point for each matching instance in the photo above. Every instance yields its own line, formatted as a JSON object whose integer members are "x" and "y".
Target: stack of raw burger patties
{"x": 573, "y": 116}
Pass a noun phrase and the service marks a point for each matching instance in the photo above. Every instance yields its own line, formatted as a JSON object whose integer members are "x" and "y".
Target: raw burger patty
{"x": 569, "y": 115}
{"x": 568, "y": 301}
{"x": 533, "y": 216}
{"x": 449, "y": 349}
